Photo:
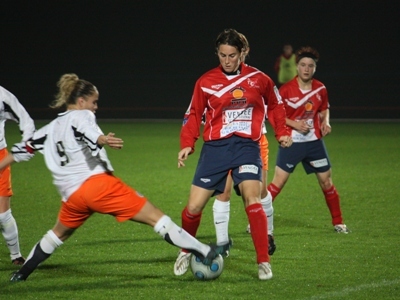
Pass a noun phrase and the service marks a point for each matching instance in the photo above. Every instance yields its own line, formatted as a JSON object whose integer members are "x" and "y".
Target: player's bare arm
{"x": 183, "y": 155}
{"x": 325, "y": 126}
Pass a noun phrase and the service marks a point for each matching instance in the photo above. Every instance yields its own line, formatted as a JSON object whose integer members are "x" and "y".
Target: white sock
{"x": 177, "y": 236}
{"x": 49, "y": 243}
{"x": 9, "y": 230}
{"x": 269, "y": 211}
{"x": 221, "y": 211}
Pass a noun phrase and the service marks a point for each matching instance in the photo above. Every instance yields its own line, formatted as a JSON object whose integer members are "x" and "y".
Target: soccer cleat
{"x": 264, "y": 271}
{"x": 224, "y": 249}
{"x": 182, "y": 263}
{"x": 271, "y": 244}
{"x": 19, "y": 261}
{"x": 15, "y": 277}
{"x": 248, "y": 230}
{"x": 213, "y": 253}
{"x": 341, "y": 228}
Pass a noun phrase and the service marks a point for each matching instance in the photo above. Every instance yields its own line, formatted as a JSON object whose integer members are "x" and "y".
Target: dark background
{"x": 145, "y": 56}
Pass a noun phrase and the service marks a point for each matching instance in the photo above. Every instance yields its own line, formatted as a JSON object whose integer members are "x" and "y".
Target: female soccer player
{"x": 11, "y": 109}
{"x": 221, "y": 206}
{"x": 72, "y": 145}
{"x": 234, "y": 96}
{"x": 307, "y": 110}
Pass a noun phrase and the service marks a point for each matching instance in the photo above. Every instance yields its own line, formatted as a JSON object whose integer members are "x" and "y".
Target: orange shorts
{"x": 264, "y": 151}
{"x": 105, "y": 194}
{"x": 5, "y": 177}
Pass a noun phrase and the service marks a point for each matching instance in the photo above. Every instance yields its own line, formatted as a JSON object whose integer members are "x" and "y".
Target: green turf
{"x": 108, "y": 260}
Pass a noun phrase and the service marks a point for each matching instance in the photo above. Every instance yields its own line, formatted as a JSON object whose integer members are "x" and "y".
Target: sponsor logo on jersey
{"x": 238, "y": 102}
{"x": 217, "y": 86}
{"x": 205, "y": 180}
{"x": 237, "y": 92}
{"x": 248, "y": 169}
{"x": 253, "y": 83}
{"x": 308, "y": 106}
{"x": 236, "y": 126}
{"x": 230, "y": 115}
{"x": 319, "y": 163}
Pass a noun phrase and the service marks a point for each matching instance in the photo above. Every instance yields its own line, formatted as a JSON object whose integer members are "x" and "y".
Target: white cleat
{"x": 264, "y": 271}
{"x": 341, "y": 228}
{"x": 182, "y": 263}
{"x": 248, "y": 230}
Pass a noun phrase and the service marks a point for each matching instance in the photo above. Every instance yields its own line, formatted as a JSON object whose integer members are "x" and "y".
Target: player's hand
{"x": 285, "y": 141}
{"x": 112, "y": 141}
{"x": 302, "y": 127}
{"x": 183, "y": 155}
{"x": 325, "y": 128}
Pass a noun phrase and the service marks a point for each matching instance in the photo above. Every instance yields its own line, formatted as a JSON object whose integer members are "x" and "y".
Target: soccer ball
{"x": 204, "y": 272}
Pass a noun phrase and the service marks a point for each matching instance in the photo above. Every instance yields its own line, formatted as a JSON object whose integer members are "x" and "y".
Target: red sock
{"x": 274, "y": 190}
{"x": 259, "y": 234}
{"x": 190, "y": 222}
{"x": 333, "y": 202}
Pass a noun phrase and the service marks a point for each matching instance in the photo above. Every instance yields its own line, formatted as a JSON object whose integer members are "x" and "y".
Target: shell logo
{"x": 308, "y": 106}
{"x": 237, "y": 93}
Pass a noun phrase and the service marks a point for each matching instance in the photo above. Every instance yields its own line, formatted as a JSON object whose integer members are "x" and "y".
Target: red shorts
{"x": 103, "y": 194}
{"x": 264, "y": 151}
{"x": 5, "y": 177}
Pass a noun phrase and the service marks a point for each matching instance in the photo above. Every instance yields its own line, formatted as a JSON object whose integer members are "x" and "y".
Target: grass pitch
{"x": 105, "y": 259}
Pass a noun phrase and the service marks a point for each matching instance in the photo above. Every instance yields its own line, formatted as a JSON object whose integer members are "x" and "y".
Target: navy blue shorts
{"x": 217, "y": 158}
{"x": 312, "y": 155}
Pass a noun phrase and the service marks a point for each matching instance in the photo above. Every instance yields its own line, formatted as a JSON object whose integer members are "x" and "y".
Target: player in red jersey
{"x": 73, "y": 149}
{"x": 234, "y": 96}
{"x": 221, "y": 205}
{"x": 307, "y": 110}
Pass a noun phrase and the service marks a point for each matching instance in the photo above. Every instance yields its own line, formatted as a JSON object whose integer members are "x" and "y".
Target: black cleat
{"x": 15, "y": 277}
{"x": 18, "y": 261}
{"x": 224, "y": 249}
{"x": 211, "y": 255}
{"x": 271, "y": 244}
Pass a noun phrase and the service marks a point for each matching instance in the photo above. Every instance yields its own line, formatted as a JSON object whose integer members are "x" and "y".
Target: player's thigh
{"x": 198, "y": 199}
{"x": 288, "y": 158}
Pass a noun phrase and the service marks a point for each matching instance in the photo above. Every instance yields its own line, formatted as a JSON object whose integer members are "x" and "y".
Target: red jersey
{"x": 233, "y": 105}
{"x": 305, "y": 105}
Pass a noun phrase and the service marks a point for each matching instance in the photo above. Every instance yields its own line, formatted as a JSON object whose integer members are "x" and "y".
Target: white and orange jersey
{"x": 233, "y": 105}
{"x": 305, "y": 105}
{"x": 11, "y": 109}
{"x": 70, "y": 149}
